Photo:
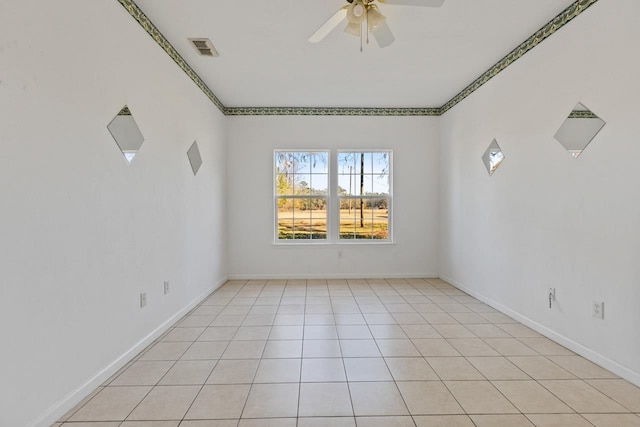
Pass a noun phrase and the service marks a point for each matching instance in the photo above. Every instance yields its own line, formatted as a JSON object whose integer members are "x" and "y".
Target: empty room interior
{"x": 350, "y": 213}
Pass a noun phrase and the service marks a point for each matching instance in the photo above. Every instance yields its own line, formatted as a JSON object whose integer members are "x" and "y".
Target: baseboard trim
{"x": 333, "y": 276}
{"x": 597, "y": 358}
{"x": 67, "y": 403}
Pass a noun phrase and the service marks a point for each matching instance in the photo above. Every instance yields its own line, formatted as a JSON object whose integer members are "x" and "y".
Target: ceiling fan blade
{"x": 383, "y": 34}
{"x": 418, "y": 3}
{"x": 328, "y": 26}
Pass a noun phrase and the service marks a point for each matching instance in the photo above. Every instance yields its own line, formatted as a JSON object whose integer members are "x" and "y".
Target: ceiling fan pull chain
{"x": 367, "y": 25}
{"x": 360, "y": 38}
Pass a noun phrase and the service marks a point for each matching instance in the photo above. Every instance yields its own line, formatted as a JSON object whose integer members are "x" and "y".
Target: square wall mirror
{"x": 493, "y": 157}
{"x": 579, "y": 129}
{"x": 125, "y": 132}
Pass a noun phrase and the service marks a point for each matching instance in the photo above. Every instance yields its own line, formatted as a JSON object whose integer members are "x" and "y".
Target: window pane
{"x": 284, "y": 184}
{"x": 285, "y": 162}
{"x": 303, "y": 162}
{"x": 318, "y": 218}
{"x": 349, "y": 162}
{"x": 356, "y": 184}
{"x": 347, "y": 218}
{"x": 302, "y": 219}
{"x": 368, "y": 162}
{"x": 378, "y": 203}
{"x": 285, "y": 218}
{"x": 285, "y": 229}
{"x": 345, "y": 185}
{"x": 320, "y": 162}
{"x": 319, "y": 184}
{"x": 364, "y": 218}
{"x": 367, "y": 187}
{"x": 346, "y": 205}
{"x": 381, "y": 163}
{"x": 380, "y": 226}
{"x": 362, "y": 185}
{"x": 285, "y": 207}
{"x": 355, "y": 220}
{"x": 359, "y": 161}
{"x": 381, "y": 184}
{"x": 301, "y": 184}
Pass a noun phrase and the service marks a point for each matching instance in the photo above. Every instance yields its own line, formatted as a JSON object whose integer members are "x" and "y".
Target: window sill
{"x": 330, "y": 243}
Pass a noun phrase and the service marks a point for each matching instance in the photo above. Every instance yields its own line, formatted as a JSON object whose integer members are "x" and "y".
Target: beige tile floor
{"x": 366, "y": 353}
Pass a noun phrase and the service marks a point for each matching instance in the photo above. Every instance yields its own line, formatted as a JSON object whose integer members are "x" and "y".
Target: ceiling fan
{"x": 366, "y": 12}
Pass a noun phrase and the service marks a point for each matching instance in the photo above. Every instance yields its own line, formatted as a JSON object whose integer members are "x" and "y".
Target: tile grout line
{"x": 263, "y": 349}
{"x": 435, "y": 372}
{"x": 304, "y": 321}
{"x": 216, "y": 364}
{"x": 387, "y": 366}
{"x": 344, "y": 367}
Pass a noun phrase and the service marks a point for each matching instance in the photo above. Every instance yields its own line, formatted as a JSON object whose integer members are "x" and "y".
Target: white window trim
{"x": 336, "y": 202}
{"x": 333, "y": 215}
{"x": 313, "y": 242}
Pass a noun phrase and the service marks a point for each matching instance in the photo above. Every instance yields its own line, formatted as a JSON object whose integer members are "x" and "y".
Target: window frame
{"x": 389, "y": 198}
{"x": 332, "y": 200}
{"x": 277, "y": 197}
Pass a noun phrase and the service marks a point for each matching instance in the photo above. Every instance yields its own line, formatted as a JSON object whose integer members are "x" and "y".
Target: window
{"x": 301, "y": 194}
{"x": 364, "y": 184}
{"x": 352, "y": 203}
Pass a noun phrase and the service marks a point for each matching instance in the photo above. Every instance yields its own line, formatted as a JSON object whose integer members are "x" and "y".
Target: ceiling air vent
{"x": 204, "y": 46}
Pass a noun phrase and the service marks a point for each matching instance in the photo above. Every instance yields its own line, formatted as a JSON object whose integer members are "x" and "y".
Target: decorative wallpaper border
{"x": 582, "y": 114}
{"x": 543, "y": 33}
{"x": 153, "y": 31}
{"x": 329, "y": 111}
{"x": 564, "y": 17}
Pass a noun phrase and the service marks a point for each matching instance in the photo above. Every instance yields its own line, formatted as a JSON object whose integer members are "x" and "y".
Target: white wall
{"x": 251, "y": 141}
{"x": 545, "y": 219}
{"x": 82, "y": 233}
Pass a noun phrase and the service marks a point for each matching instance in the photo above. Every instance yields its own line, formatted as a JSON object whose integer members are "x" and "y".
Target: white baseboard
{"x": 587, "y": 353}
{"x": 67, "y": 403}
{"x": 333, "y": 276}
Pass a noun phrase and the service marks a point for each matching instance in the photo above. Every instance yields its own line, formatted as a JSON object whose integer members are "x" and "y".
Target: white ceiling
{"x": 266, "y": 61}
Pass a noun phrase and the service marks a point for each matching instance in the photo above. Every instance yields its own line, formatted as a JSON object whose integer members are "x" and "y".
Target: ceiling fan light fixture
{"x": 383, "y": 34}
{"x": 356, "y": 12}
{"x": 353, "y": 29}
{"x": 374, "y": 18}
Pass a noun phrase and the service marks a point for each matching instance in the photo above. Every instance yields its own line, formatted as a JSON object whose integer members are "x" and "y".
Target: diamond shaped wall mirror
{"x": 126, "y": 133}
{"x": 493, "y": 157}
{"x": 579, "y": 129}
{"x": 194, "y": 157}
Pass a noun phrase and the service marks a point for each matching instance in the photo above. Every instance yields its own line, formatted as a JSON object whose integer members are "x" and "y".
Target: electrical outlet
{"x": 597, "y": 310}
{"x": 143, "y": 299}
{"x": 166, "y": 287}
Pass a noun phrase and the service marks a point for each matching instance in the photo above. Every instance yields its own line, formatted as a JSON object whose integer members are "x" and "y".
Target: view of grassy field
{"x": 312, "y": 224}
{"x": 374, "y": 224}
